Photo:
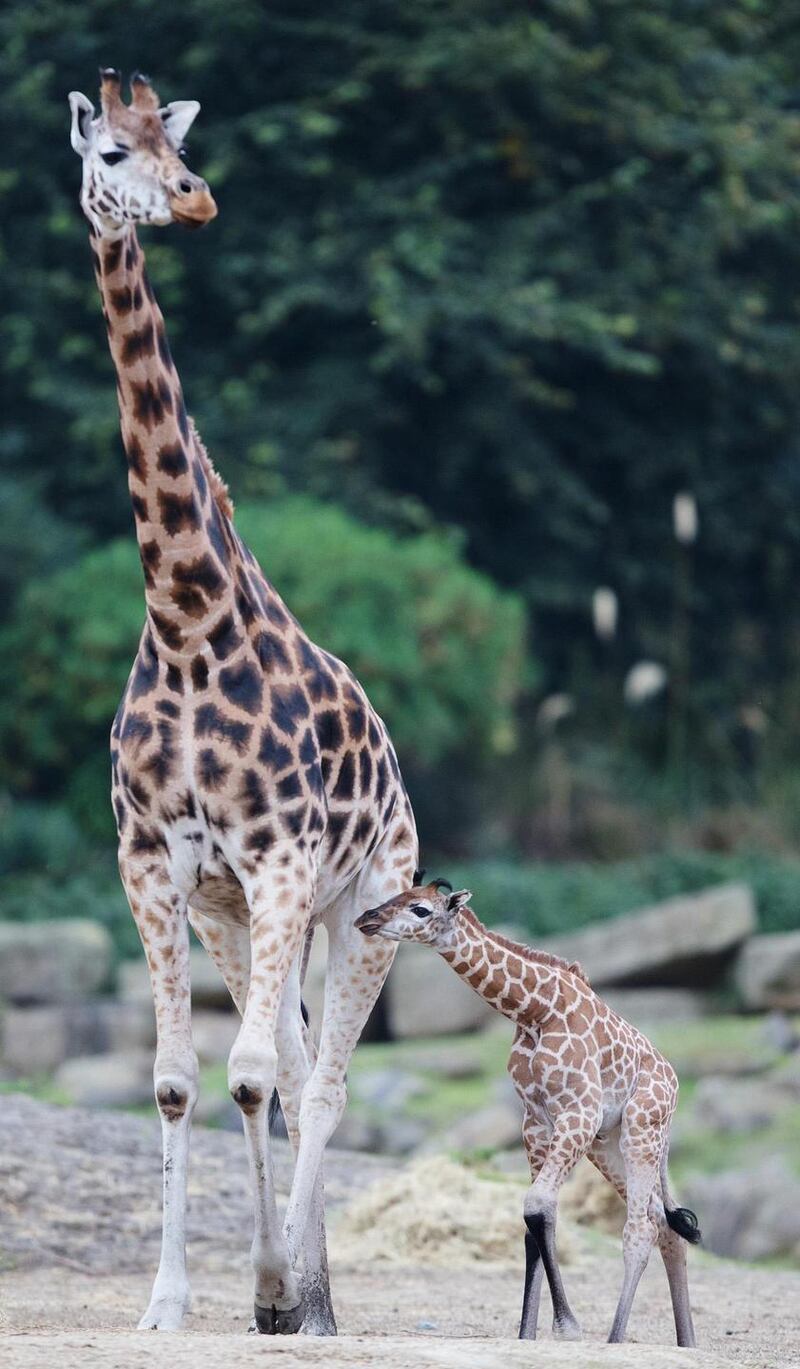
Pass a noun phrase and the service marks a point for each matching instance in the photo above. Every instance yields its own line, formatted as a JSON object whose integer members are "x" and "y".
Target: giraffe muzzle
{"x": 193, "y": 208}
{"x": 368, "y": 923}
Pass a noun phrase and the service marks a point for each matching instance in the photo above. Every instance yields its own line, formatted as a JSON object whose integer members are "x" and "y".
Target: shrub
{"x": 547, "y": 899}
{"x": 438, "y": 647}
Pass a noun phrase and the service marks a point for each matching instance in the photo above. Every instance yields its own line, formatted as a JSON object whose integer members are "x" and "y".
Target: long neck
{"x": 521, "y": 989}
{"x": 184, "y": 536}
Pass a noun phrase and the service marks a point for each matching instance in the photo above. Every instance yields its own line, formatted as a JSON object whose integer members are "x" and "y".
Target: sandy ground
{"x": 79, "y": 1226}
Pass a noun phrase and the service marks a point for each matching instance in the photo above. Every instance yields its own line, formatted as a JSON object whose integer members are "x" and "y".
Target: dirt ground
{"x": 79, "y": 1229}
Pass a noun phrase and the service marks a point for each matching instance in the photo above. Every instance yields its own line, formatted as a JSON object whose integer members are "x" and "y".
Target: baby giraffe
{"x": 590, "y": 1084}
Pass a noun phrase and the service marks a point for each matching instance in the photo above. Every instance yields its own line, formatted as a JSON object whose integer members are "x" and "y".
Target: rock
{"x": 767, "y": 972}
{"x": 214, "y": 1034}
{"x": 447, "y": 1062}
{"x": 53, "y": 962}
{"x": 780, "y": 1032}
{"x": 388, "y": 1089}
{"x": 736, "y": 1106}
{"x": 208, "y": 986}
{"x": 684, "y": 941}
{"x": 749, "y": 1214}
{"x": 216, "y": 1110}
{"x": 494, "y": 1127}
{"x": 643, "y": 1007}
{"x": 355, "y": 1132}
{"x": 122, "y": 1079}
{"x": 425, "y": 998}
{"x": 786, "y": 1077}
{"x": 35, "y": 1040}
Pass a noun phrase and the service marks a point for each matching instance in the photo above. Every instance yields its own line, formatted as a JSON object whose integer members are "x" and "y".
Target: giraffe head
{"x": 425, "y": 912}
{"x": 132, "y": 158}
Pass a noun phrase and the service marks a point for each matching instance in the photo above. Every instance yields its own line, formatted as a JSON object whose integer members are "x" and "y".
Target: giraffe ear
{"x": 177, "y": 118}
{"x": 458, "y": 900}
{"x": 82, "y": 115}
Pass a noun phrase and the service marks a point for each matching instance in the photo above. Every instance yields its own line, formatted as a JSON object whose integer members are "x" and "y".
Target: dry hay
{"x": 437, "y": 1212}
{"x": 588, "y": 1199}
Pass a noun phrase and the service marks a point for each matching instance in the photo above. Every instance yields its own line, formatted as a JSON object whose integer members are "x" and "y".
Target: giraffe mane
{"x": 527, "y": 952}
{"x": 216, "y": 484}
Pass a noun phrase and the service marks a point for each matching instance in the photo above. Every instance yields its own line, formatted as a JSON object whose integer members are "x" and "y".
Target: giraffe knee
{"x": 252, "y": 1075}
{"x": 176, "y": 1095}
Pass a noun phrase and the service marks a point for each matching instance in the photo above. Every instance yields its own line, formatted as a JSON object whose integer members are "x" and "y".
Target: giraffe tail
{"x": 680, "y": 1219}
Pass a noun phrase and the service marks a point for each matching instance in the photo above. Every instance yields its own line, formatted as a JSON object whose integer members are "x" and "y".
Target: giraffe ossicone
{"x": 590, "y": 1085}
{"x": 256, "y": 791}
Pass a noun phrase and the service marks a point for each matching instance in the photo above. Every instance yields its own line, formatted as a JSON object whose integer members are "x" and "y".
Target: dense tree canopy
{"x": 528, "y": 272}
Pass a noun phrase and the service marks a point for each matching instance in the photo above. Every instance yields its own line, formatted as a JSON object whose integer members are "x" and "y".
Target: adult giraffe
{"x": 256, "y": 791}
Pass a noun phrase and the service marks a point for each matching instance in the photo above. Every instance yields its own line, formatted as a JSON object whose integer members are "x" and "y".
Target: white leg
{"x": 279, "y": 913}
{"x": 228, "y": 944}
{"x": 357, "y": 968}
{"x": 296, "y": 1055}
{"x": 640, "y": 1148}
{"x": 160, "y": 915}
{"x": 537, "y": 1139}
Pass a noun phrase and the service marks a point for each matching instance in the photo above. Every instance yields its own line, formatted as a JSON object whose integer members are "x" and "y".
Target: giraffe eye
{"x": 111, "y": 158}
{"x": 183, "y": 153}
{"x": 420, "y": 910}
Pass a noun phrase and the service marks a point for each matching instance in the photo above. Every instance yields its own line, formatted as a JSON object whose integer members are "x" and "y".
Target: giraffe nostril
{"x": 185, "y": 187}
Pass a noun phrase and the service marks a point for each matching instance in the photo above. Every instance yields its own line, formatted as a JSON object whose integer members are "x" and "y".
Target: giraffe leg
{"x": 536, "y": 1136}
{"x": 570, "y": 1139}
{"x": 640, "y": 1147}
{"x": 296, "y": 1055}
{"x": 673, "y": 1253}
{"x": 228, "y": 944}
{"x": 357, "y": 968}
{"x": 279, "y": 898}
{"x": 160, "y": 914}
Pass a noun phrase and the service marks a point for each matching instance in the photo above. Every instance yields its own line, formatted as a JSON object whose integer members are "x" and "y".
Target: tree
{"x": 438, "y": 648}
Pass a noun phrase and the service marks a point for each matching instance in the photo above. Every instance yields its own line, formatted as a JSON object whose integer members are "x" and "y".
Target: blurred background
{"x": 496, "y": 342}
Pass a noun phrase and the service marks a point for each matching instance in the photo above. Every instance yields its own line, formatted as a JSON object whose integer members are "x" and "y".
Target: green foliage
{"x": 547, "y": 899}
{"x": 526, "y": 272}
{"x": 438, "y": 648}
{"x": 522, "y": 272}
{"x": 48, "y": 869}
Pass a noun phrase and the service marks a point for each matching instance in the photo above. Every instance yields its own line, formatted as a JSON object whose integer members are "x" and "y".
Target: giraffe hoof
{"x": 277, "y": 1321}
{"x": 319, "y": 1324}
{"x": 567, "y": 1329}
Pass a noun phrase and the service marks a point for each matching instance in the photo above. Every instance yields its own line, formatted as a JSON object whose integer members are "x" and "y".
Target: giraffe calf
{"x": 590, "y": 1084}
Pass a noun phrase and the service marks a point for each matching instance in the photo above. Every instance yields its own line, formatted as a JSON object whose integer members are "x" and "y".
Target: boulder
{"x": 497, "y": 1126}
{"x": 387, "y": 1089}
{"x": 686, "y": 941}
{"x": 749, "y": 1214}
{"x": 423, "y": 997}
{"x": 53, "y": 962}
{"x": 737, "y": 1106}
{"x": 35, "y": 1040}
{"x": 118, "y": 1080}
{"x": 645, "y": 1007}
{"x": 214, "y": 1034}
{"x": 446, "y": 1061}
{"x": 208, "y": 987}
{"x": 767, "y": 972}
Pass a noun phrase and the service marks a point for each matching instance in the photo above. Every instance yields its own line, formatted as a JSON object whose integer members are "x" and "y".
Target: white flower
{"x": 684, "y": 517}
{"x": 643, "y": 681}
{"x": 554, "y": 709}
{"x": 605, "y": 611}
